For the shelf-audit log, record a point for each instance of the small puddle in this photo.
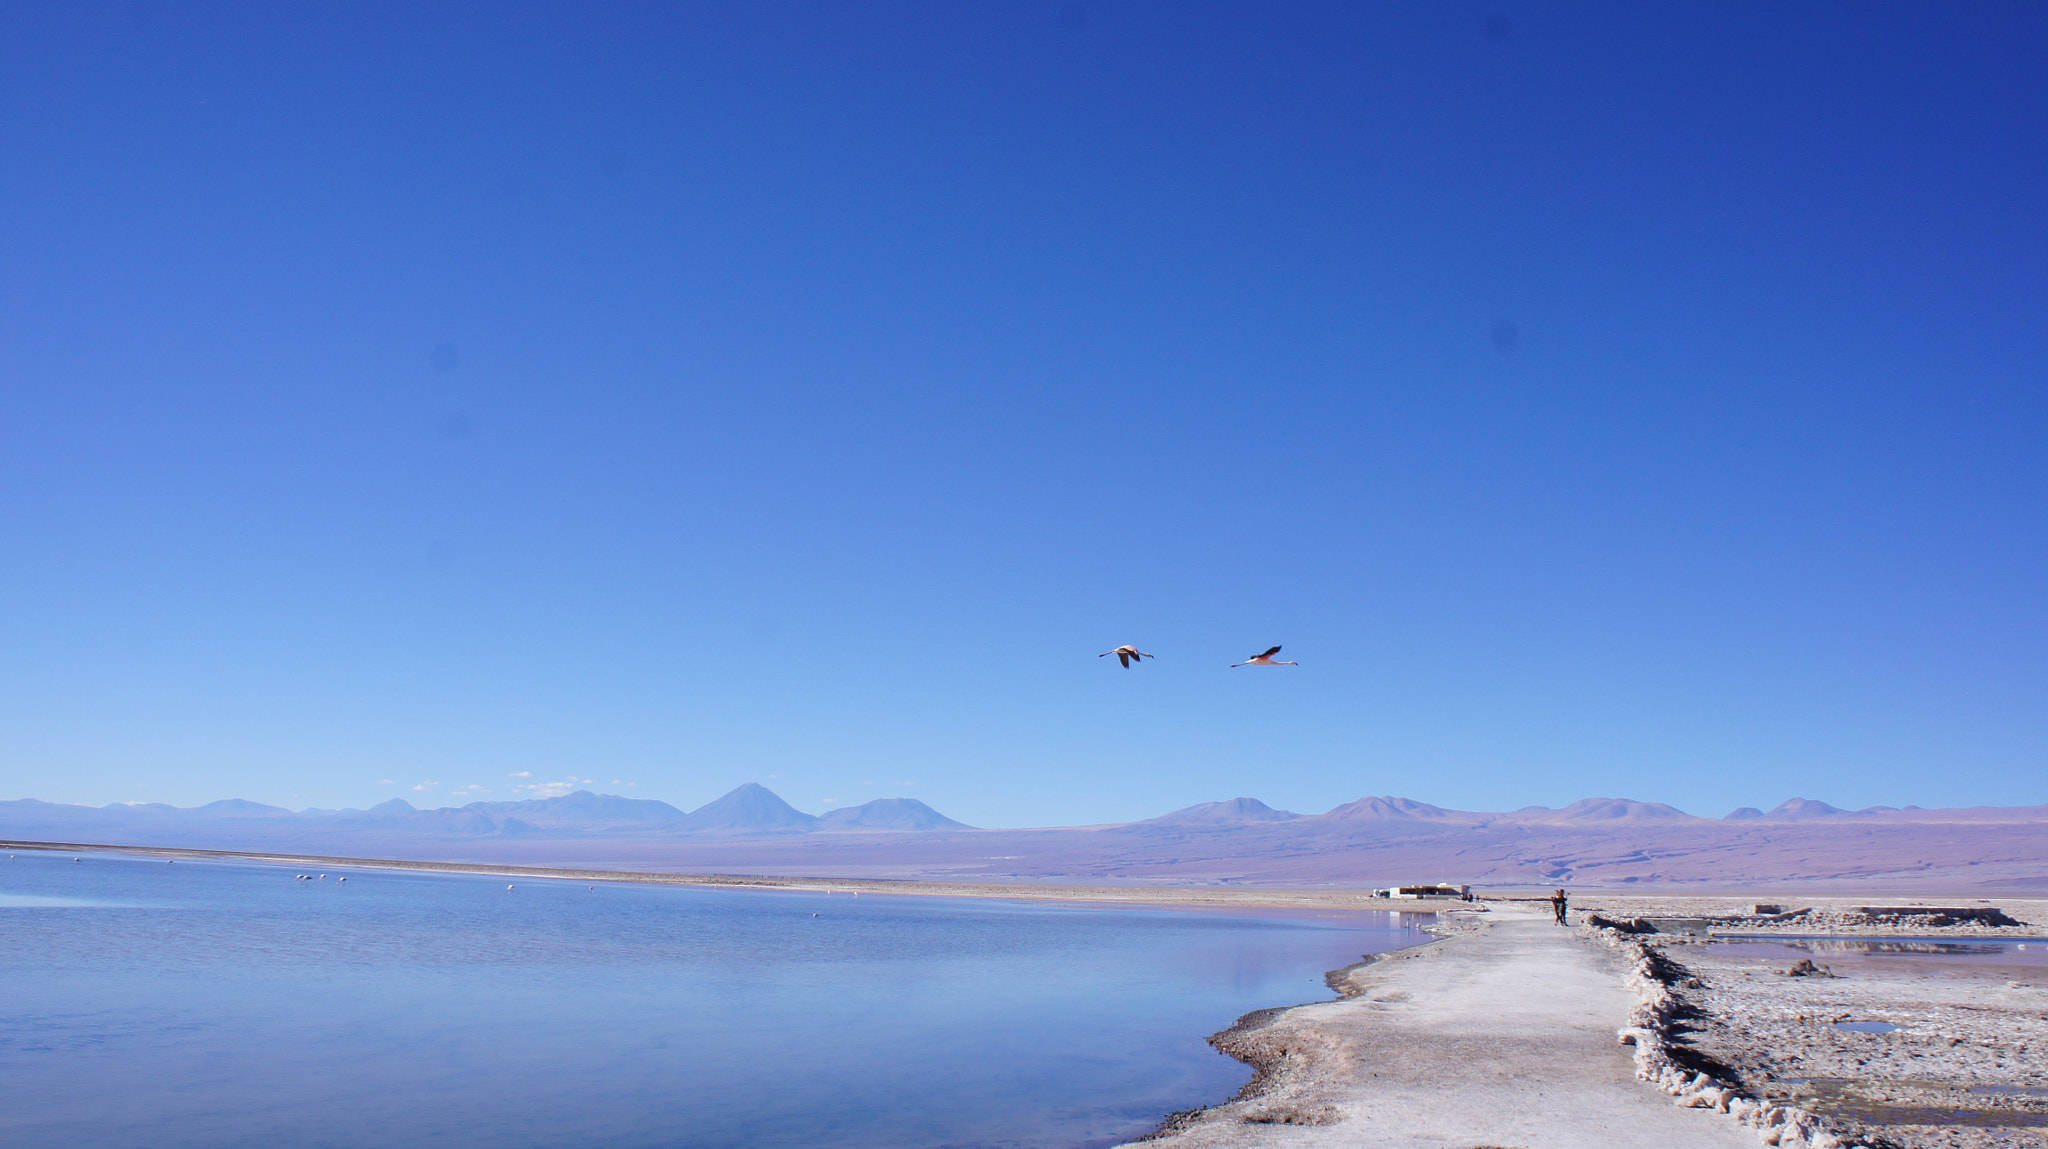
(1877, 1102)
(2023, 956)
(1867, 1026)
(1885, 946)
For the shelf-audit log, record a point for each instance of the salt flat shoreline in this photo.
(1248, 898)
(1505, 1032)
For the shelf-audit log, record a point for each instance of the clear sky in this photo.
(1645, 400)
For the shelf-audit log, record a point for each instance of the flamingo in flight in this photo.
(1127, 655)
(1265, 659)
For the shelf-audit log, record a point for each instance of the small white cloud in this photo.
(828, 801)
(906, 783)
(387, 782)
(867, 783)
(548, 789)
(616, 782)
(775, 775)
(426, 785)
(521, 774)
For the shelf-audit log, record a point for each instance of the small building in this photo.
(1439, 890)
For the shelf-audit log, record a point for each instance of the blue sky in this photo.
(1640, 400)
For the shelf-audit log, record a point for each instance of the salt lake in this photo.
(199, 1005)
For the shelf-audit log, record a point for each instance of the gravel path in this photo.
(1503, 1035)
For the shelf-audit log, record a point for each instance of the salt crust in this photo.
(1649, 1030)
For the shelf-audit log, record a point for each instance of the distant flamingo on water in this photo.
(1265, 659)
(1127, 655)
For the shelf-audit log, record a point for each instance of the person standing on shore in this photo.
(1560, 904)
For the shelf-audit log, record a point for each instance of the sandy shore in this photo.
(1501, 1035)
(1506, 1034)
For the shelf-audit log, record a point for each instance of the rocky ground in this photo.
(1966, 1066)
(2024, 917)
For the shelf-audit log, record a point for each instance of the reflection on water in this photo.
(12, 901)
(1892, 1102)
(223, 1005)
(2019, 951)
(2012, 1090)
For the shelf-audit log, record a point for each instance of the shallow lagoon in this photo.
(2000, 951)
(204, 1004)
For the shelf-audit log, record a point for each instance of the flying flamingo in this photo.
(1265, 659)
(1127, 655)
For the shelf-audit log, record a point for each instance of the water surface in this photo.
(145, 1004)
(1994, 951)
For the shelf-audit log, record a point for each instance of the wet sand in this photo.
(1501, 1035)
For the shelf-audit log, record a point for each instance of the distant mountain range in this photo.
(1239, 810)
(751, 809)
(1376, 840)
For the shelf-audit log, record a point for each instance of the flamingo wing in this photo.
(1270, 653)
